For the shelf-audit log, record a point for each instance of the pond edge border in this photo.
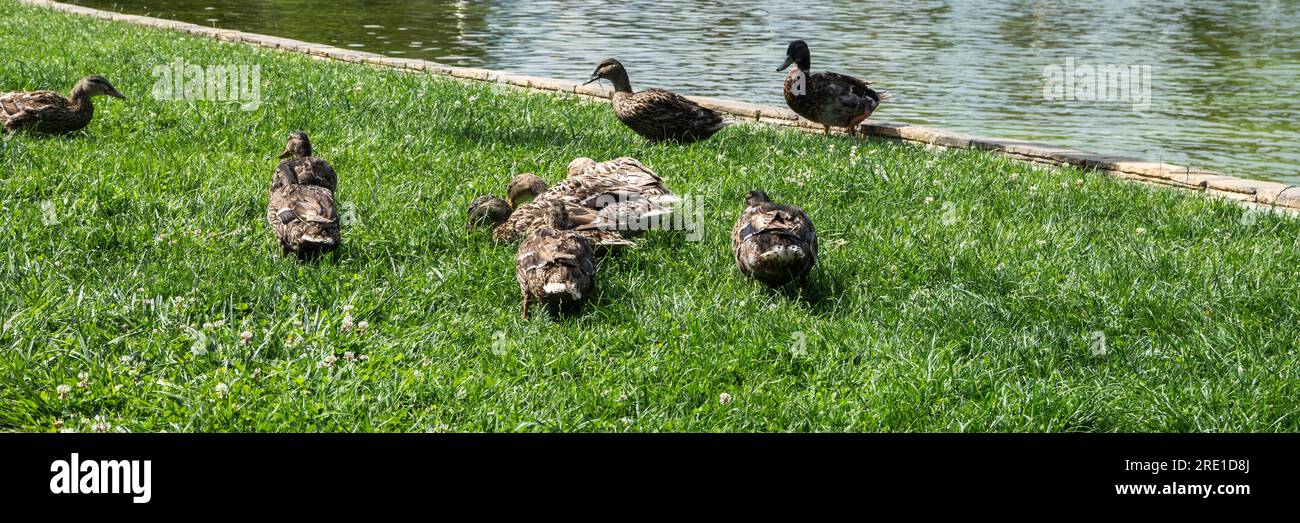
(1245, 190)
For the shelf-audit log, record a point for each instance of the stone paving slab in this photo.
(1253, 191)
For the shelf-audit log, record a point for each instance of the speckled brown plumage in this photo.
(554, 266)
(49, 112)
(657, 114)
(300, 206)
(830, 99)
(774, 243)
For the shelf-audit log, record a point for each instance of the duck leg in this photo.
(525, 313)
(826, 130)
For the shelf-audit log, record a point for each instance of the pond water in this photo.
(1212, 84)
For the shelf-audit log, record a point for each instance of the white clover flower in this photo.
(724, 398)
(347, 324)
(63, 391)
(1141, 230)
(223, 390)
(126, 359)
(101, 425)
(364, 357)
(244, 337)
(349, 355)
(84, 380)
(361, 327)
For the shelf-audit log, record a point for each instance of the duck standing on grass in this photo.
(300, 208)
(555, 266)
(657, 114)
(830, 99)
(49, 112)
(774, 243)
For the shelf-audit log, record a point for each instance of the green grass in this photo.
(980, 322)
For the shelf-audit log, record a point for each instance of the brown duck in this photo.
(300, 207)
(49, 112)
(534, 212)
(830, 99)
(774, 243)
(657, 114)
(487, 211)
(555, 266)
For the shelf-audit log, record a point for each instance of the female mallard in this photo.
(830, 99)
(488, 211)
(774, 243)
(626, 195)
(534, 211)
(555, 266)
(300, 207)
(49, 112)
(302, 167)
(657, 114)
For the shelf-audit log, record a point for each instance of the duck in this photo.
(489, 211)
(48, 112)
(555, 266)
(300, 205)
(626, 195)
(829, 99)
(535, 199)
(304, 168)
(774, 243)
(657, 114)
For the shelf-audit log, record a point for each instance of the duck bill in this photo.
(288, 151)
(593, 78)
(115, 94)
(785, 64)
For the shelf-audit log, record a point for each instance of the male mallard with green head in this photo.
(774, 243)
(300, 207)
(830, 99)
(657, 114)
(49, 112)
(555, 266)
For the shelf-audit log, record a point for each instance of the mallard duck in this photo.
(657, 114)
(49, 112)
(302, 167)
(523, 188)
(536, 198)
(830, 99)
(626, 195)
(555, 266)
(300, 205)
(488, 211)
(774, 243)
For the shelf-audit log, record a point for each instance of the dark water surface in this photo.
(1223, 77)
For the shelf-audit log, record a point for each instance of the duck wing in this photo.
(555, 266)
(774, 243)
(303, 218)
(657, 114)
(20, 108)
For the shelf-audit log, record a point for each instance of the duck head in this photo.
(95, 85)
(797, 53)
(756, 198)
(298, 146)
(612, 70)
(524, 188)
(580, 164)
(487, 211)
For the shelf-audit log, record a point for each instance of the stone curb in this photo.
(1212, 183)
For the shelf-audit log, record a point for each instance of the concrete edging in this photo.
(1239, 189)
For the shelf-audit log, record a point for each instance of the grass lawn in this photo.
(957, 291)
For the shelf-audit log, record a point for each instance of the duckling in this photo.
(774, 243)
(555, 266)
(300, 204)
(830, 99)
(657, 114)
(487, 211)
(302, 167)
(48, 112)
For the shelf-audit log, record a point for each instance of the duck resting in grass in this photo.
(48, 112)
(300, 207)
(830, 99)
(657, 114)
(555, 266)
(487, 211)
(531, 198)
(774, 243)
